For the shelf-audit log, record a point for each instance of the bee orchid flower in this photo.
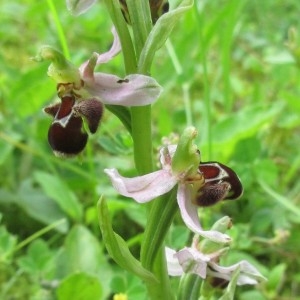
(83, 91)
(209, 183)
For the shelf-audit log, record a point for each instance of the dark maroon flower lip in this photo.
(221, 183)
(66, 135)
(69, 140)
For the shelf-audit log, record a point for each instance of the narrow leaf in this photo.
(159, 34)
(230, 290)
(117, 247)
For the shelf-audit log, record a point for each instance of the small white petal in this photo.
(189, 214)
(248, 273)
(133, 90)
(193, 261)
(142, 188)
(174, 268)
(77, 7)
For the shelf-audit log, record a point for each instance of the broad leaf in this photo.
(80, 286)
(57, 190)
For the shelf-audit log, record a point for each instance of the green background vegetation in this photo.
(226, 70)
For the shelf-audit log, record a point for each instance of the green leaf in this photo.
(276, 276)
(139, 12)
(122, 113)
(159, 34)
(7, 244)
(250, 295)
(57, 190)
(38, 206)
(244, 123)
(283, 201)
(79, 286)
(117, 247)
(82, 252)
(240, 125)
(39, 258)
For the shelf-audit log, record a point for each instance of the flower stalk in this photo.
(141, 132)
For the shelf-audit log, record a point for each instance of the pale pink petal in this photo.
(189, 214)
(113, 51)
(193, 261)
(133, 90)
(142, 188)
(166, 154)
(248, 273)
(87, 68)
(174, 268)
(77, 7)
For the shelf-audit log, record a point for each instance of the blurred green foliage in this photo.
(226, 70)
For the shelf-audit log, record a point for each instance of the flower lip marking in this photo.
(126, 80)
(221, 183)
(66, 134)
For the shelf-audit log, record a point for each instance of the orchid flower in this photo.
(209, 182)
(192, 260)
(84, 82)
(83, 92)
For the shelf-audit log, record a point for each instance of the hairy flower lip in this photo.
(69, 140)
(220, 175)
(66, 134)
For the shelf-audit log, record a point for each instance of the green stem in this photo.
(38, 234)
(153, 257)
(142, 137)
(59, 28)
(161, 216)
(189, 287)
(130, 61)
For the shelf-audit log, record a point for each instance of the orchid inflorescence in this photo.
(83, 94)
